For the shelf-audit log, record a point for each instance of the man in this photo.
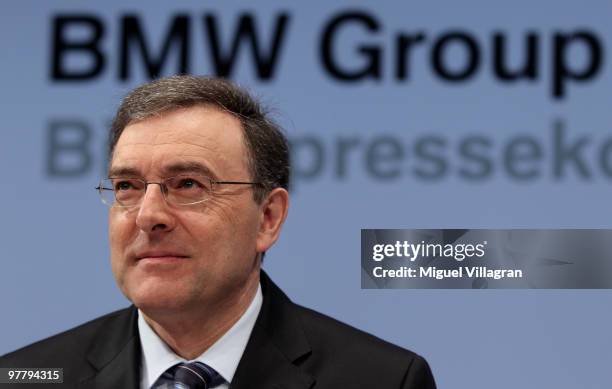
(198, 189)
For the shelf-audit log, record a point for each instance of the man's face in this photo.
(167, 256)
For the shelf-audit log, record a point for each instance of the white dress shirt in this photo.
(223, 355)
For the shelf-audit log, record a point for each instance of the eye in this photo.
(184, 183)
(188, 183)
(124, 185)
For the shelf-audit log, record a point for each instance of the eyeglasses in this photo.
(179, 190)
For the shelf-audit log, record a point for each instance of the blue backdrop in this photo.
(444, 114)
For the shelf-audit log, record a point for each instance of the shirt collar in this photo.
(223, 356)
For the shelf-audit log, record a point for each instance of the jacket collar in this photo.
(115, 355)
(276, 345)
(270, 359)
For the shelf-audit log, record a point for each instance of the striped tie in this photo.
(194, 375)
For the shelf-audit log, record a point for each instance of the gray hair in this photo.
(267, 146)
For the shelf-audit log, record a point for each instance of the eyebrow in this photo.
(169, 170)
(123, 171)
(188, 167)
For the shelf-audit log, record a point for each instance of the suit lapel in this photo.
(115, 356)
(277, 343)
(271, 359)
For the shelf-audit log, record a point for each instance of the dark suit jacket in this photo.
(291, 347)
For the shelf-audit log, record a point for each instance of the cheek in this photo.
(115, 227)
(121, 223)
(222, 233)
(119, 233)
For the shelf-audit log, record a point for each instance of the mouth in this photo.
(160, 256)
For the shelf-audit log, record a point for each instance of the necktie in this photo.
(194, 375)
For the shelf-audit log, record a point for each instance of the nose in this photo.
(154, 214)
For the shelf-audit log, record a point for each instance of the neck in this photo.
(190, 334)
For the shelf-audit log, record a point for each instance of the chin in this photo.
(158, 297)
(161, 304)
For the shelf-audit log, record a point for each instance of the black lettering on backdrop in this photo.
(404, 45)
(265, 64)
(327, 48)
(529, 69)
(132, 37)
(472, 62)
(63, 47)
(452, 56)
(562, 71)
(133, 43)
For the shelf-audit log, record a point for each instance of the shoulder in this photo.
(338, 344)
(69, 347)
(326, 332)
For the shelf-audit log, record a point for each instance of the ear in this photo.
(273, 213)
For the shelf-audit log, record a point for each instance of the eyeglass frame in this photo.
(164, 188)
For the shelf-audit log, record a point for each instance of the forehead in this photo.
(190, 136)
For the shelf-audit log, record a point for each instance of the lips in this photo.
(159, 254)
